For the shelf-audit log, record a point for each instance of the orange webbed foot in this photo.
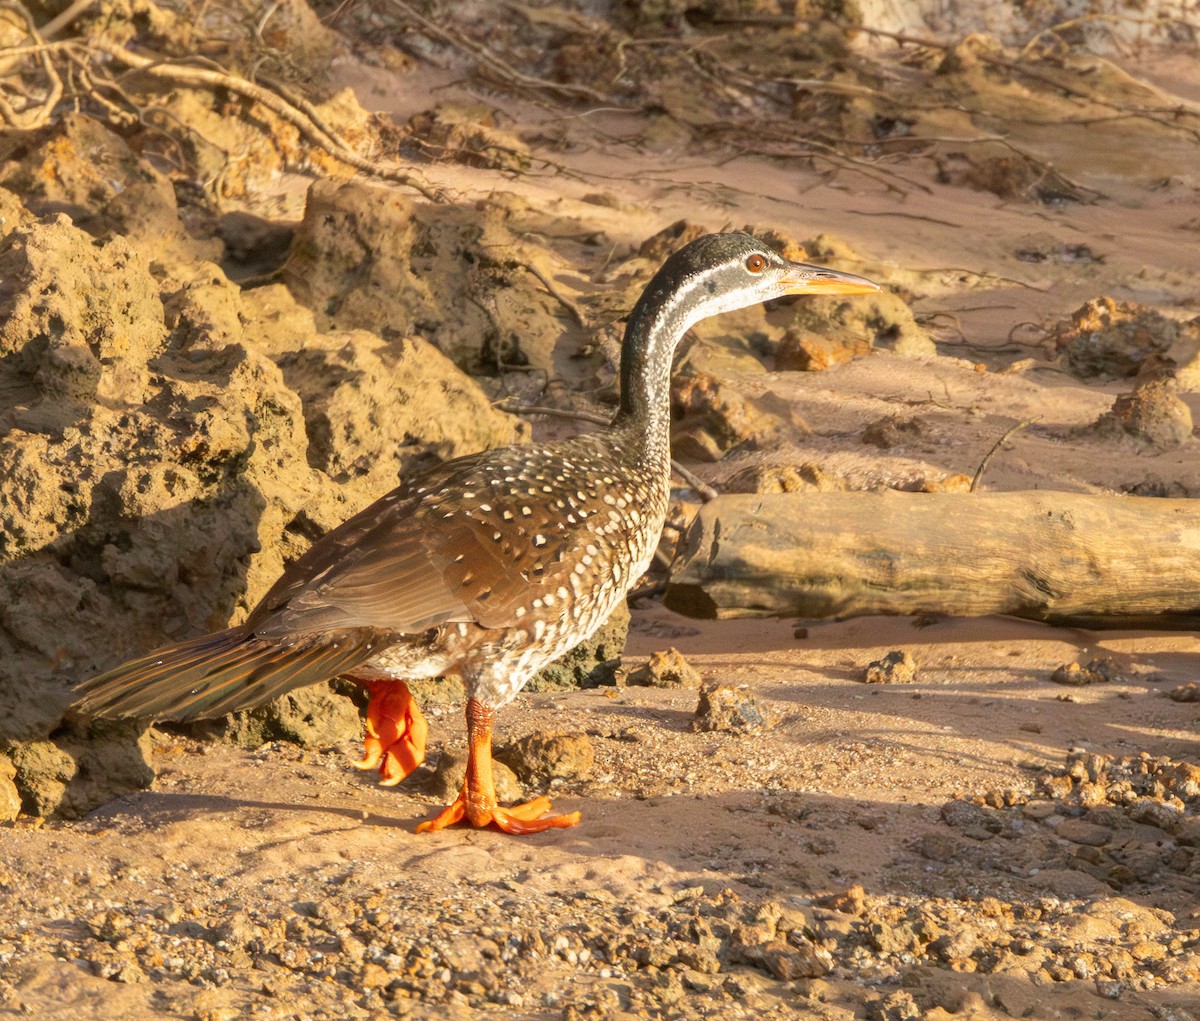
(395, 733)
(476, 802)
(517, 819)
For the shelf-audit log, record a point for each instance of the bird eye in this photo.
(756, 263)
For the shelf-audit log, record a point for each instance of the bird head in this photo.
(733, 270)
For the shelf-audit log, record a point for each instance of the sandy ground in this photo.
(183, 894)
(888, 851)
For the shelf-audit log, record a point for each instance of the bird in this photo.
(487, 567)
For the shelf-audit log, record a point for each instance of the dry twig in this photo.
(310, 126)
(987, 458)
(35, 112)
(505, 71)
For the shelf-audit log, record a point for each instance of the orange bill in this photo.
(818, 280)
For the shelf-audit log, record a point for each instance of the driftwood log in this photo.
(1061, 557)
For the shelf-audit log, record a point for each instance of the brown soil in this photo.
(964, 837)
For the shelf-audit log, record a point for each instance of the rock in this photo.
(729, 710)
(893, 937)
(1155, 812)
(657, 248)
(1008, 176)
(10, 797)
(468, 134)
(1113, 339)
(894, 432)
(786, 961)
(956, 946)
(851, 901)
(366, 257)
(728, 416)
(880, 320)
(80, 768)
(542, 756)
(362, 395)
(591, 664)
(950, 482)
(77, 167)
(692, 442)
(939, 847)
(1151, 413)
(973, 820)
(1189, 692)
(1097, 671)
(1079, 831)
(1069, 884)
(314, 717)
(896, 1006)
(666, 669)
(451, 770)
(897, 667)
(803, 351)
(160, 468)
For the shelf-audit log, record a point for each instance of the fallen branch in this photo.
(1047, 556)
(310, 127)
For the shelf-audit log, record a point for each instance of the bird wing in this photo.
(413, 561)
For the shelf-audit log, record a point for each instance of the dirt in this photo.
(205, 363)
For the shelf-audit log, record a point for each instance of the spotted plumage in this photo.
(488, 567)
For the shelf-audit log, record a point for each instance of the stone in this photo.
(542, 756)
(897, 667)
(1069, 884)
(366, 257)
(314, 717)
(938, 847)
(1080, 831)
(880, 321)
(728, 416)
(10, 797)
(467, 133)
(727, 709)
(451, 770)
(889, 432)
(801, 350)
(179, 441)
(665, 669)
(786, 961)
(1152, 413)
(1108, 338)
(82, 767)
(1189, 692)
(973, 820)
(1097, 671)
(896, 1006)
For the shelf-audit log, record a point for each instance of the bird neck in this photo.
(657, 323)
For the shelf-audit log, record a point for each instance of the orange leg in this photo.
(396, 731)
(476, 802)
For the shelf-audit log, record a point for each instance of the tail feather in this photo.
(217, 674)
